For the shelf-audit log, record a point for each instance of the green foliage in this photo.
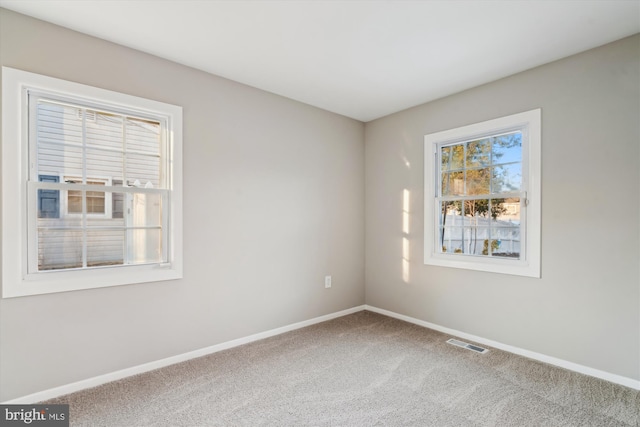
(478, 207)
(494, 246)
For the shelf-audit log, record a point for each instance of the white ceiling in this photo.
(362, 59)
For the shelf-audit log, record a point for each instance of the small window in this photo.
(482, 197)
(99, 203)
(95, 200)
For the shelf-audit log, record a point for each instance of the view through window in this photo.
(90, 149)
(480, 196)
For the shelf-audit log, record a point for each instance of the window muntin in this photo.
(141, 227)
(480, 180)
(482, 196)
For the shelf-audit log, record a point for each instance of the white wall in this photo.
(586, 307)
(273, 202)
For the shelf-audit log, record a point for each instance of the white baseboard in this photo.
(617, 379)
(146, 367)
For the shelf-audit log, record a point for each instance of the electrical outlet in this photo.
(327, 281)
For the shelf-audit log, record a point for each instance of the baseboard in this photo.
(617, 379)
(146, 367)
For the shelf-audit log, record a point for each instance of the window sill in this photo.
(486, 264)
(46, 282)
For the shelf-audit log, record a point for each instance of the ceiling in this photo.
(362, 59)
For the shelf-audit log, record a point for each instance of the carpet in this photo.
(363, 369)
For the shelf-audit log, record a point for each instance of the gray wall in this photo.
(273, 201)
(586, 307)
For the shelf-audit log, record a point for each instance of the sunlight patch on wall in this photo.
(405, 239)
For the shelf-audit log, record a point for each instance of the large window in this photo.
(482, 198)
(91, 187)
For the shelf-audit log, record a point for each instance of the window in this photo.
(95, 200)
(91, 187)
(482, 196)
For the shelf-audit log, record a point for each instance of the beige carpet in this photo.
(359, 370)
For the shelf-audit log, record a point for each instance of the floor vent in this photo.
(467, 346)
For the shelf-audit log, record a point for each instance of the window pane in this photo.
(146, 210)
(476, 213)
(142, 171)
(505, 227)
(54, 159)
(105, 247)
(95, 199)
(474, 239)
(478, 181)
(507, 242)
(478, 153)
(506, 211)
(507, 178)
(104, 164)
(58, 249)
(507, 148)
(451, 240)
(452, 157)
(476, 210)
(451, 210)
(450, 230)
(48, 203)
(143, 136)
(58, 123)
(453, 183)
(95, 202)
(445, 153)
(104, 130)
(144, 246)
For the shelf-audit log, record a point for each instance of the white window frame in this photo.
(529, 123)
(18, 242)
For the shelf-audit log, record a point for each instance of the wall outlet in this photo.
(327, 281)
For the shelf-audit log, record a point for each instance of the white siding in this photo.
(63, 248)
(113, 149)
